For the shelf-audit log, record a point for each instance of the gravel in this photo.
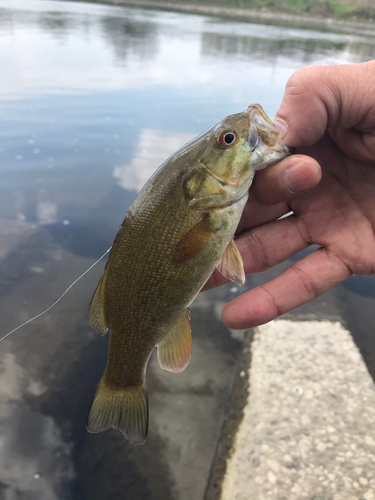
(309, 424)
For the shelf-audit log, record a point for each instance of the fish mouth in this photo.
(265, 139)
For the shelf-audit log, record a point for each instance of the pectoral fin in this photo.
(96, 314)
(174, 350)
(193, 242)
(231, 265)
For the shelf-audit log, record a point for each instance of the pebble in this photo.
(321, 446)
(305, 420)
(271, 477)
(273, 464)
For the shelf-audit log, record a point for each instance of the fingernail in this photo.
(295, 178)
(281, 126)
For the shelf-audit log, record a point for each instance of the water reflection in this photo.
(152, 149)
(46, 212)
(305, 50)
(129, 36)
(35, 460)
(57, 24)
(64, 48)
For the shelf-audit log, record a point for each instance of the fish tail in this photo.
(123, 408)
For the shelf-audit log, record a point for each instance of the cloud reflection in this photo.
(35, 462)
(46, 212)
(153, 148)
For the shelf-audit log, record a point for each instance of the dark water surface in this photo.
(92, 100)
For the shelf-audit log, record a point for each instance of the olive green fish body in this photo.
(174, 235)
(148, 286)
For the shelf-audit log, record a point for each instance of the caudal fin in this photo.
(124, 409)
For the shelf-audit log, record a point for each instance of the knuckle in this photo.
(276, 310)
(255, 251)
(306, 281)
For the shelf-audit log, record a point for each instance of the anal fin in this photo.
(96, 314)
(231, 265)
(174, 350)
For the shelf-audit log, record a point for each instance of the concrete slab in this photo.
(308, 429)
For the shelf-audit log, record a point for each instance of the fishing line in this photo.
(58, 300)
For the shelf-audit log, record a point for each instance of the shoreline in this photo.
(250, 15)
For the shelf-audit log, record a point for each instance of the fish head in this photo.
(234, 149)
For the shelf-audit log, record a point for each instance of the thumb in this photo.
(321, 97)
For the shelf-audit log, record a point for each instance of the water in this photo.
(92, 100)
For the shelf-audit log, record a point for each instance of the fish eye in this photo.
(227, 138)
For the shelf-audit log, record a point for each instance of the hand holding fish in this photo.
(328, 115)
(181, 227)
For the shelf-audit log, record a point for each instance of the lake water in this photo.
(92, 100)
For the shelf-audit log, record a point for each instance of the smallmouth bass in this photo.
(178, 230)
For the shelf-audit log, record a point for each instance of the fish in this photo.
(179, 229)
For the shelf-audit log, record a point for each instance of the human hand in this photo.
(327, 113)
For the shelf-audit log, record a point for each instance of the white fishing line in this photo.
(58, 300)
